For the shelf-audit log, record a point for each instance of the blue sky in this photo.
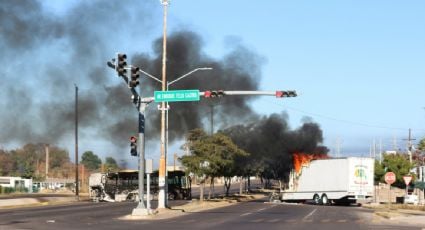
(358, 66)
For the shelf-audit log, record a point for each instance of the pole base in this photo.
(141, 212)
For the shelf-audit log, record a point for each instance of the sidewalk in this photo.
(14, 202)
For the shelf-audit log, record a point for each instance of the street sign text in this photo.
(176, 95)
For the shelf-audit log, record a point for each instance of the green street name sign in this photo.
(177, 95)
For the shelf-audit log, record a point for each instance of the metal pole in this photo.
(46, 148)
(77, 187)
(162, 160)
(148, 192)
(166, 153)
(141, 208)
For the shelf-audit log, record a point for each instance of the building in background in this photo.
(15, 184)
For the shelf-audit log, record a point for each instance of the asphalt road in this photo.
(244, 215)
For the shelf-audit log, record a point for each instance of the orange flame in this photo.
(301, 159)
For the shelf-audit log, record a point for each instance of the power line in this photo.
(341, 120)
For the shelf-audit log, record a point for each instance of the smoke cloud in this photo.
(46, 54)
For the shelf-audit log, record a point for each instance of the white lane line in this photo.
(259, 210)
(246, 214)
(310, 214)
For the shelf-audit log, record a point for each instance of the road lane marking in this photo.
(273, 220)
(325, 220)
(246, 214)
(259, 210)
(310, 214)
(342, 221)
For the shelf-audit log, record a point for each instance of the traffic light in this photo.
(133, 146)
(121, 64)
(214, 93)
(289, 93)
(134, 77)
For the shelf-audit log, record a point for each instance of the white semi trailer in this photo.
(326, 181)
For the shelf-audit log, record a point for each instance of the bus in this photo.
(123, 185)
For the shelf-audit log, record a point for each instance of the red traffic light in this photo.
(279, 94)
(207, 94)
(289, 93)
(214, 93)
(133, 139)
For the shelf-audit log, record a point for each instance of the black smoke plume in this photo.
(239, 70)
(272, 143)
(45, 54)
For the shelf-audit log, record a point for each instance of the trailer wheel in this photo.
(325, 200)
(316, 199)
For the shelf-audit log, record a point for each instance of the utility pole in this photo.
(409, 145)
(380, 150)
(46, 148)
(175, 159)
(162, 201)
(395, 146)
(77, 187)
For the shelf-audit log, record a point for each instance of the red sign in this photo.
(390, 177)
(407, 179)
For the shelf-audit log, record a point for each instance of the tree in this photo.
(211, 156)
(91, 161)
(29, 161)
(396, 163)
(196, 163)
(6, 163)
(111, 164)
(58, 157)
(421, 145)
(225, 155)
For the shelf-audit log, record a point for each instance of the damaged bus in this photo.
(123, 186)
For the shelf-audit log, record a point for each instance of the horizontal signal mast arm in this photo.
(212, 93)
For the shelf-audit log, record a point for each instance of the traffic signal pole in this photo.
(141, 209)
(131, 77)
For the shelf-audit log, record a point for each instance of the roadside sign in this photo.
(176, 95)
(390, 178)
(407, 179)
